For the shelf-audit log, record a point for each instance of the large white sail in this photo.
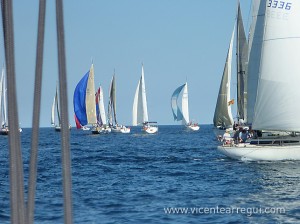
(140, 111)
(277, 104)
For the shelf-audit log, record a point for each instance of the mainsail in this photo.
(3, 109)
(55, 107)
(140, 111)
(112, 114)
(242, 63)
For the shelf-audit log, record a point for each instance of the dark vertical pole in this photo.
(36, 112)
(15, 156)
(65, 132)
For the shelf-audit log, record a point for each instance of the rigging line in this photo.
(15, 156)
(36, 112)
(65, 132)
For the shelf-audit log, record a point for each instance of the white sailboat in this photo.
(112, 114)
(140, 111)
(3, 113)
(273, 83)
(4, 130)
(55, 114)
(182, 113)
(100, 110)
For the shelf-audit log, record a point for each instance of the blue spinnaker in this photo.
(79, 100)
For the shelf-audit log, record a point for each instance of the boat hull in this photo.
(259, 152)
(150, 130)
(120, 129)
(193, 127)
(4, 131)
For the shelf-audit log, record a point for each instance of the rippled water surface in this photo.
(174, 176)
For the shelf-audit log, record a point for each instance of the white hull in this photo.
(101, 130)
(193, 127)
(84, 128)
(125, 130)
(122, 129)
(259, 152)
(150, 129)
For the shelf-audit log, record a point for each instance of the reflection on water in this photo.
(276, 185)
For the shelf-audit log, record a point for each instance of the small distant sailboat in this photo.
(3, 113)
(140, 111)
(100, 110)
(4, 130)
(84, 101)
(55, 113)
(183, 113)
(55, 120)
(112, 114)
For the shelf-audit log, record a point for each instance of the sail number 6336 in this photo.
(280, 4)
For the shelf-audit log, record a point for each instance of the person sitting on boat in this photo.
(243, 136)
(236, 135)
(227, 139)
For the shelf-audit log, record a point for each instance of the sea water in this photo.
(174, 176)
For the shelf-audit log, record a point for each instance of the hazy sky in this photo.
(176, 40)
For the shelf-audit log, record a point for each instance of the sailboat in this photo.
(4, 130)
(55, 120)
(140, 111)
(223, 118)
(112, 114)
(273, 83)
(100, 111)
(182, 114)
(84, 101)
(3, 113)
